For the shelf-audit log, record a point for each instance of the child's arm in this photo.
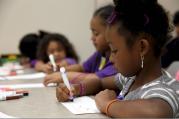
(66, 62)
(154, 107)
(41, 66)
(62, 93)
(93, 86)
(86, 87)
(75, 68)
(74, 77)
(63, 63)
(25, 62)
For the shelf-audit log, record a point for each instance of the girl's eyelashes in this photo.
(114, 51)
(95, 33)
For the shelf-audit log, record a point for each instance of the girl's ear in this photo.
(144, 47)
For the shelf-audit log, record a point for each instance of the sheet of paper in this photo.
(25, 76)
(2, 115)
(82, 105)
(2, 78)
(31, 85)
(6, 69)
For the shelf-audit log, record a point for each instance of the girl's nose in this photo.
(55, 54)
(92, 38)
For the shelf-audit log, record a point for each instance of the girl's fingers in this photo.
(61, 95)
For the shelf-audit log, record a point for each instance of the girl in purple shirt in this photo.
(98, 65)
(60, 47)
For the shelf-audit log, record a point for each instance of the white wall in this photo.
(70, 17)
(103, 2)
(171, 5)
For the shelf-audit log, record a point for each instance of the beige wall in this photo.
(70, 17)
(171, 5)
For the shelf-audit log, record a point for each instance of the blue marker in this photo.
(120, 97)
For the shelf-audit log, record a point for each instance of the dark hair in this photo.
(176, 18)
(28, 45)
(142, 17)
(104, 12)
(59, 38)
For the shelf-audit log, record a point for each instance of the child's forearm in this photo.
(75, 68)
(39, 66)
(92, 83)
(140, 108)
(109, 83)
(89, 86)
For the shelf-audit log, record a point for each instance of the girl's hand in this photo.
(103, 98)
(52, 78)
(63, 94)
(47, 68)
(62, 63)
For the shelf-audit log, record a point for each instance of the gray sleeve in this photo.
(119, 81)
(165, 93)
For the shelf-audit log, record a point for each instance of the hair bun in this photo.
(149, 2)
(134, 3)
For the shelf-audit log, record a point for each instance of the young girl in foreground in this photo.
(138, 30)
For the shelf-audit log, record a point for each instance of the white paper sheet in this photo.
(82, 105)
(2, 115)
(8, 67)
(2, 78)
(25, 76)
(31, 85)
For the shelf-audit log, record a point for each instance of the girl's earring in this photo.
(142, 59)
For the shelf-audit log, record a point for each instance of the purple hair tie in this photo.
(147, 20)
(112, 17)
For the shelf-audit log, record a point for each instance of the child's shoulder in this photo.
(97, 54)
(164, 88)
(70, 61)
(162, 84)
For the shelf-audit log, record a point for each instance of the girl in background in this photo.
(97, 66)
(28, 48)
(59, 46)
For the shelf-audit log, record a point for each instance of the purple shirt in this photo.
(71, 61)
(33, 62)
(91, 65)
